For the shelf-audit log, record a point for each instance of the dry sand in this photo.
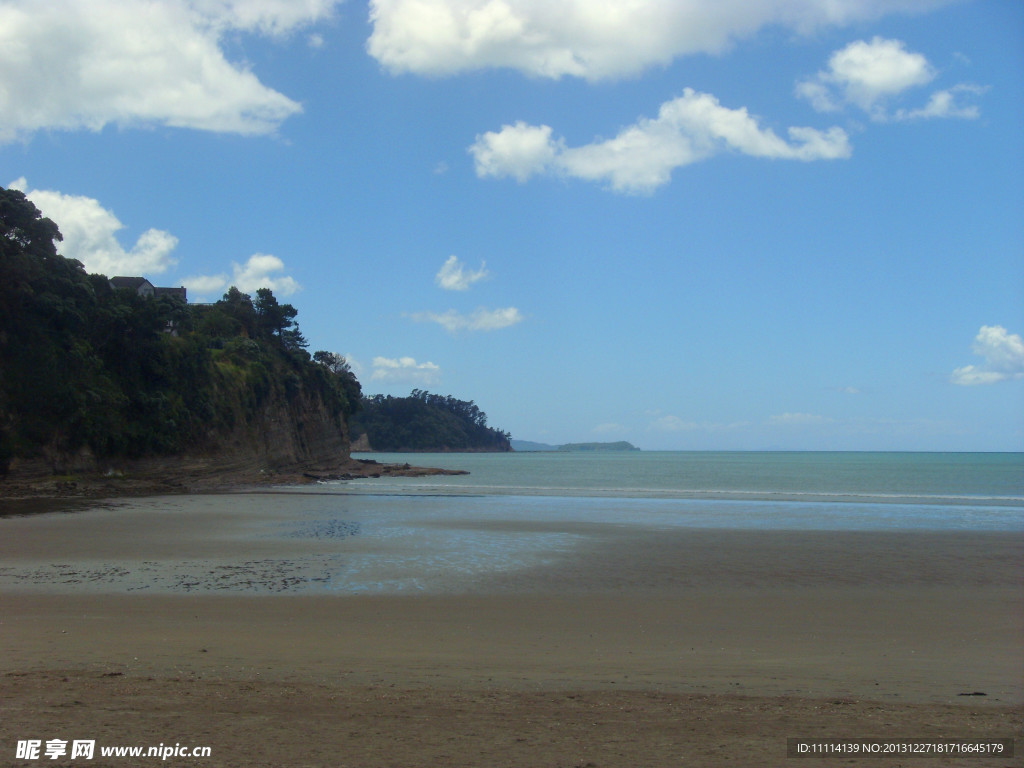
(659, 648)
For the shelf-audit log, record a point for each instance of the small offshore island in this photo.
(114, 386)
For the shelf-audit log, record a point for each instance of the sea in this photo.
(511, 513)
(720, 489)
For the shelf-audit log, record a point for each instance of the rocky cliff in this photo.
(283, 439)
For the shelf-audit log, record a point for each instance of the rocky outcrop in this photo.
(361, 444)
(289, 440)
(287, 435)
(285, 439)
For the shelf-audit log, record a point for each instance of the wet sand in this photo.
(681, 647)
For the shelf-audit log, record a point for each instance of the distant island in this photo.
(525, 446)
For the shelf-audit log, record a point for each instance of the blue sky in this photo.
(693, 224)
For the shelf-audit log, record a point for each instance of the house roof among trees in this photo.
(133, 283)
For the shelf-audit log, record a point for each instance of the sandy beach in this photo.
(642, 648)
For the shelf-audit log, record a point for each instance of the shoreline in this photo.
(46, 490)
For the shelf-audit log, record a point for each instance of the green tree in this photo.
(342, 377)
(276, 319)
(84, 365)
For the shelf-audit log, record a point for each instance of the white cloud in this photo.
(869, 75)
(798, 419)
(404, 369)
(269, 17)
(519, 151)
(1004, 358)
(85, 64)
(690, 128)
(671, 423)
(206, 285)
(257, 272)
(585, 38)
(453, 277)
(944, 104)
(90, 230)
(479, 320)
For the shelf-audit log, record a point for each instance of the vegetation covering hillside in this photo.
(86, 368)
(425, 422)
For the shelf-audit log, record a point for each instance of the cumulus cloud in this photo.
(454, 277)
(85, 64)
(205, 285)
(404, 370)
(641, 158)
(519, 151)
(1004, 358)
(479, 320)
(587, 39)
(90, 235)
(257, 272)
(869, 75)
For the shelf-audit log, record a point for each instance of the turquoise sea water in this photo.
(814, 490)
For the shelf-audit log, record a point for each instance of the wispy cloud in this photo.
(798, 419)
(404, 370)
(945, 104)
(1004, 358)
(479, 320)
(454, 277)
(672, 423)
(642, 157)
(90, 235)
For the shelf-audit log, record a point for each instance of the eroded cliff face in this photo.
(288, 436)
(285, 436)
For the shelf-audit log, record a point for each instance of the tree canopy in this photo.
(84, 365)
(426, 422)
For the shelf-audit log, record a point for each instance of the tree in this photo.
(342, 376)
(23, 230)
(333, 362)
(276, 319)
(239, 307)
(424, 421)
